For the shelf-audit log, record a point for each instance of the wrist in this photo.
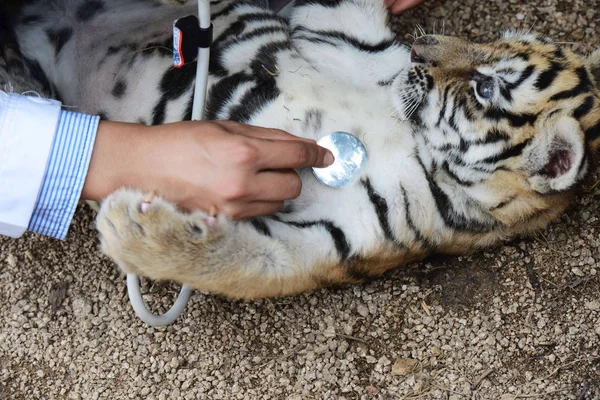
(116, 160)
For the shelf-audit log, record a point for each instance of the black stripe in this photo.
(503, 204)
(451, 174)
(493, 136)
(88, 10)
(322, 3)
(558, 53)
(233, 35)
(187, 114)
(483, 168)
(446, 209)
(59, 37)
(266, 89)
(381, 209)
(468, 109)
(36, 72)
(30, 19)
(409, 221)
(224, 12)
(593, 133)
(261, 226)
(219, 47)
(267, 30)
(507, 89)
(516, 120)
(222, 92)
(444, 105)
(229, 8)
(429, 80)
(352, 41)
(389, 81)
(255, 100)
(546, 78)
(119, 89)
(584, 108)
(316, 40)
(339, 238)
(524, 76)
(583, 86)
(313, 120)
(452, 120)
(513, 151)
(174, 83)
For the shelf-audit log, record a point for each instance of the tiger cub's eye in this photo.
(485, 88)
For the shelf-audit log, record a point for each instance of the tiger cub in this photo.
(469, 144)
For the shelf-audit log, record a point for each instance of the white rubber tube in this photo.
(133, 283)
(135, 297)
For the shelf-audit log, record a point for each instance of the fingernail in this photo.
(329, 158)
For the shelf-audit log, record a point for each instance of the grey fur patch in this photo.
(313, 120)
(89, 9)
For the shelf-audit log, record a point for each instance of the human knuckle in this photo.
(295, 186)
(235, 191)
(244, 153)
(302, 154)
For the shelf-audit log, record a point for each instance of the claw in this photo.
(146, 204)
(211, 220)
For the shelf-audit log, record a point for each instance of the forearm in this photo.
(147, 158)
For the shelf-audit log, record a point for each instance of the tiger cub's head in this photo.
(513, 122)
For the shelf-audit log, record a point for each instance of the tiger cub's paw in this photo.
(150, 237)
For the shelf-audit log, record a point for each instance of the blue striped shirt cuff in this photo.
(65, 174)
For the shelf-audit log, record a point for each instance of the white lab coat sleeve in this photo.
(27, 130)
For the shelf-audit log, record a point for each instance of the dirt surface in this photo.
(518, 321)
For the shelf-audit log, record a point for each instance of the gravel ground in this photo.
(518, 321)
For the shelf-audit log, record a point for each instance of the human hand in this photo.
(397, 6)
(241, 170)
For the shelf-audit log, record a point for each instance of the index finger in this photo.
(261, 133)
(286, 154)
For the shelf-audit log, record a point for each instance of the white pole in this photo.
(201, 64)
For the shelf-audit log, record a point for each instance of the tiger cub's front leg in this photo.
(211, 254)
(349, 40)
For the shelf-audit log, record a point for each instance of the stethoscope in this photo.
(350, 154)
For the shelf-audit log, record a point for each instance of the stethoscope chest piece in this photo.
(350, 158)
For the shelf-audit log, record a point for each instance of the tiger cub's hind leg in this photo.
(155, 240)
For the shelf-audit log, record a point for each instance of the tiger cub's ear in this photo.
(593, 63)
(556, 159)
